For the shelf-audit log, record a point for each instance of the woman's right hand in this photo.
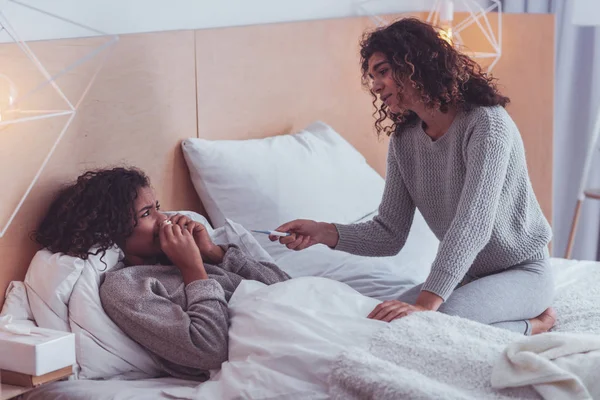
(305, 233)
(179, 245)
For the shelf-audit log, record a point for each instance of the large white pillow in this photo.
(262, 183)
(314, 174)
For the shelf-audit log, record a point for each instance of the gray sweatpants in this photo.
(506, 299)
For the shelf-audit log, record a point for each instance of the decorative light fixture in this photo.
(441, 14)
(31, 91)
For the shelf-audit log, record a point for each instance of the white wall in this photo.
(129, 16)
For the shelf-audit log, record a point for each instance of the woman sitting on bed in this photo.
(457, 156)
(171, 294)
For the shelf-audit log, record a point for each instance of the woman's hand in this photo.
(209, 251)
(178, 244)
(394, 309)
(305, 233)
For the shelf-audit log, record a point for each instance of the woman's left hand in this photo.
(394, 309)
(210, 252)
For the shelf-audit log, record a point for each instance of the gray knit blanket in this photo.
(430, 355)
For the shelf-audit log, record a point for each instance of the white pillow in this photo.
(262, 183)
(316, 174)
(57, 304)
(50, 280)
(16, 303)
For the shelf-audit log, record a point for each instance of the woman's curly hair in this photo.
(97, 210)
(418, 55)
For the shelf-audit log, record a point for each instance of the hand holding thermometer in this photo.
(273, 233)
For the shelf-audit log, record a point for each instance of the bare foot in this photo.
(543, 322)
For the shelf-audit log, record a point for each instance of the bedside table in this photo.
(10, 391)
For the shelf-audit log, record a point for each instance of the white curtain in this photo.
(576, 104)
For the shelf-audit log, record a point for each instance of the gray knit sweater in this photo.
(473, 189)
(184, 328)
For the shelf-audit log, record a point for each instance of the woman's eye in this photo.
(382, 71)
(157, 206)
(147, 213)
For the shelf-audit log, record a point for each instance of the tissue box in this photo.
(41, 352)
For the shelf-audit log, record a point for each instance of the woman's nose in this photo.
(161, 218)
(377, 87)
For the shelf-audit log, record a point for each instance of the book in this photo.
(25, 380)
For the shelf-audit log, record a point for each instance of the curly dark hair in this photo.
(443, 75)
(96, 210)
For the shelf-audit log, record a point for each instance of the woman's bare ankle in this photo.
(543, 322)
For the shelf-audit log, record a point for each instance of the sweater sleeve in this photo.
(188, 342)
(386, 233)
(241, 264)
(488, 156)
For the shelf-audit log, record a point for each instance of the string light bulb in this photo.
(8, 97)
(446, 18)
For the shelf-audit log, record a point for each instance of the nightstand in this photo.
(10, 391)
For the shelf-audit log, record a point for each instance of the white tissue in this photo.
(6, 325)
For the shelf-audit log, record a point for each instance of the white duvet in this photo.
(283, 339)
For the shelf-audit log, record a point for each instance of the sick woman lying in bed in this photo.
(171, 293)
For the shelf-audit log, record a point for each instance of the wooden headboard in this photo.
(237, 83)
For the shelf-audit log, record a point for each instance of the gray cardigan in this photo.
(184, 328)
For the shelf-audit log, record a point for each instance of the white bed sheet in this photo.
(567, 274)
(108, 390)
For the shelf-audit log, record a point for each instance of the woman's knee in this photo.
(460, 307)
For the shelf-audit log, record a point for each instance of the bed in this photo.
(226, 168)
(291, 369)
